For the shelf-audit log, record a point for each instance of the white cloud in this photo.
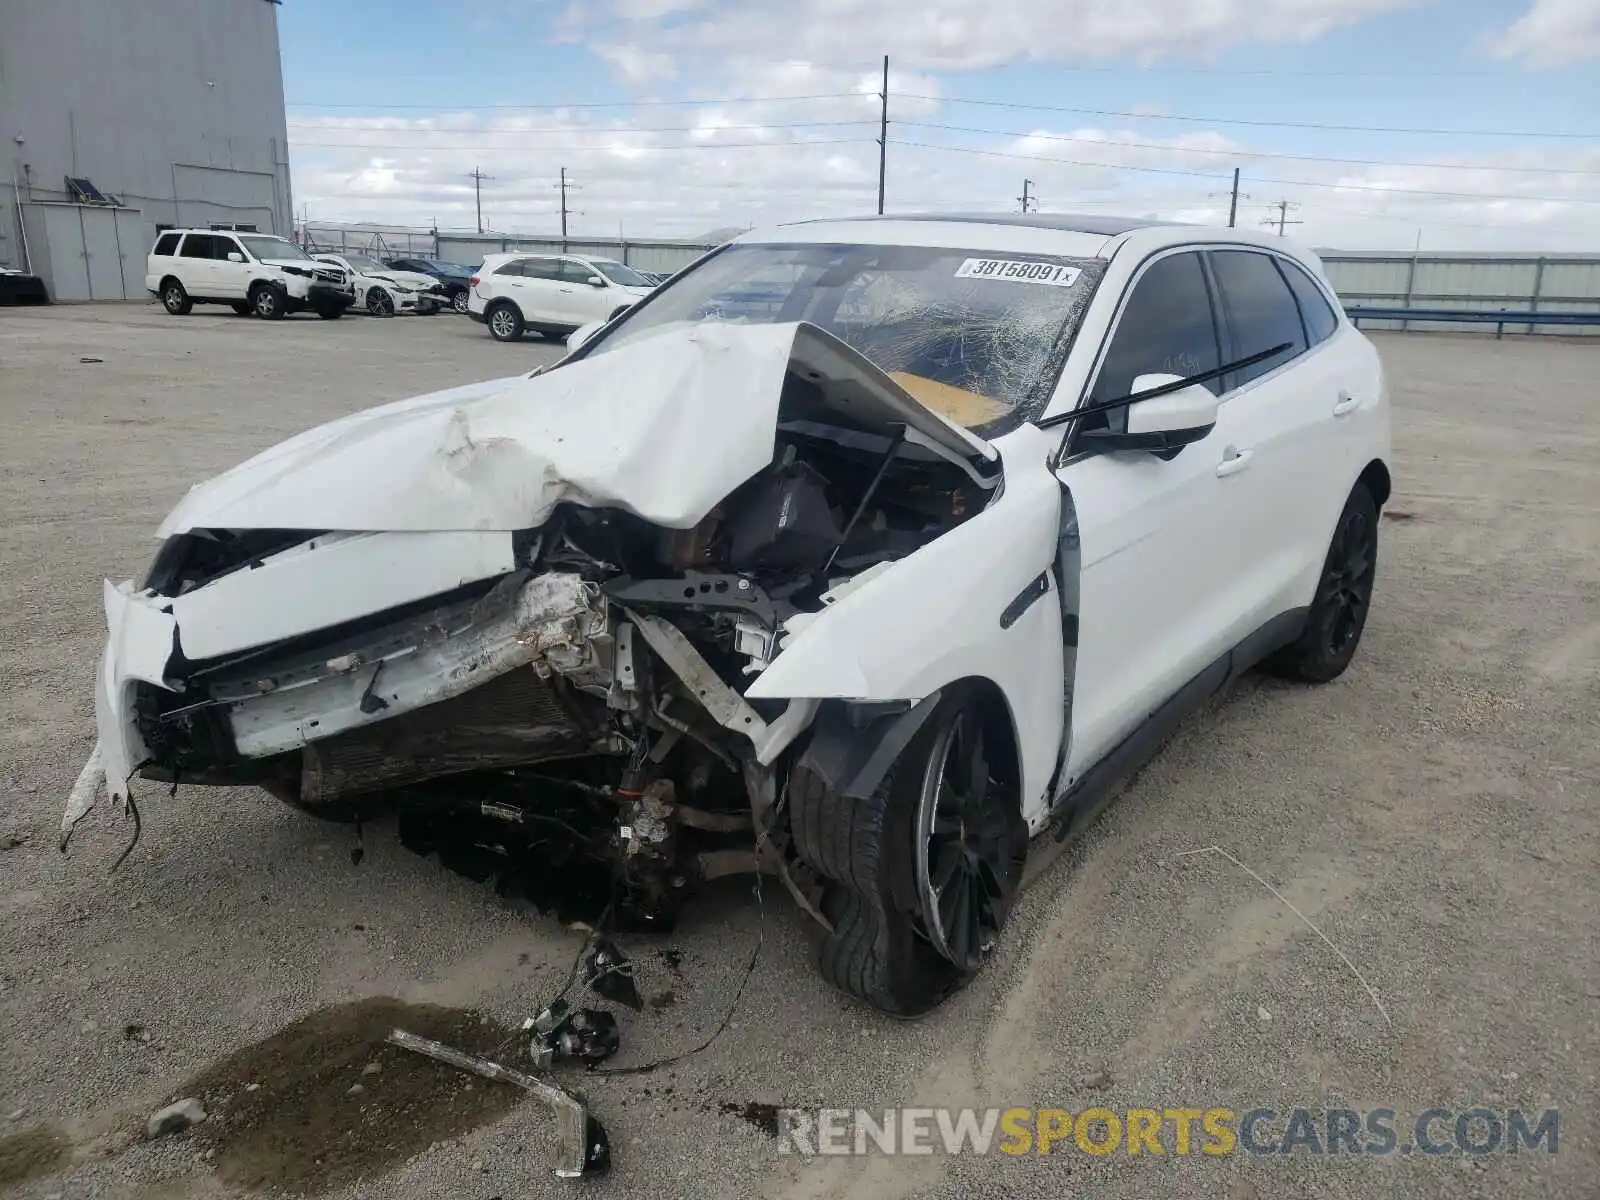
(949, 34)
(1553, 32)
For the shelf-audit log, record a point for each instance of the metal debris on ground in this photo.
(584, 1035)
(585, 1148)
(608, 973)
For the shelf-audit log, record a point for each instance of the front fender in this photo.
(935, 617)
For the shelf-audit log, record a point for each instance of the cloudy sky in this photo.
(1474, 124)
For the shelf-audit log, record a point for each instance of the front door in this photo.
(1153, 605)
(581, 300)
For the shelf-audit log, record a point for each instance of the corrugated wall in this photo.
(1481, 283)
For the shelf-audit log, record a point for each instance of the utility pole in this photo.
(1233, 205)
(1027, 198)
(566, 186)
(477, 178)
(1282, 219)
(883, 133)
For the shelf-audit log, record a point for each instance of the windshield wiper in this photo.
(1177, 385)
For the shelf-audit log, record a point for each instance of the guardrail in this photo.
(1499, 318)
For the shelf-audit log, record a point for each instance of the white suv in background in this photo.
(253, 272)
(550, 294)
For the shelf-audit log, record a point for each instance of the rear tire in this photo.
(175, 298)
(891, 945)
(504, 322)
(379, 302)
(1344, 595)
(459, 302)
(267, 302)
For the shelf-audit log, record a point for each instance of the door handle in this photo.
(1236, 461)
(1346, 404)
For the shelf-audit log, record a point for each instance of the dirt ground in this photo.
(1435, 813)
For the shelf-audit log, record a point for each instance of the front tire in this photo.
(267, 302)
(504, 322)
(1344, 595)
(330, 312)
(922, 873)
(242, 307)
(175, 298)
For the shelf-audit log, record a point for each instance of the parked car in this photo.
(550, 294)
(872, 590)
(455, 278)
(252, 272)
(383, 291)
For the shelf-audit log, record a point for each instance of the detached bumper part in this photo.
(585, 1148)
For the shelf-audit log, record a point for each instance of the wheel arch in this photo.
(1375, 478)
(171, 278)
(853, 744)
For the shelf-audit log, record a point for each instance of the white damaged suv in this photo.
(866, 554)
(254, 273)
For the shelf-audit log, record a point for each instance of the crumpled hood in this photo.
(410, 279)
(664, 427)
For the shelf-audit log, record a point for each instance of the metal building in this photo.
(121, 117)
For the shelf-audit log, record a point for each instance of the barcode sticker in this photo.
(1018, 271)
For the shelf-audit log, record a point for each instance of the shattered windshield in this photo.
(977, 336)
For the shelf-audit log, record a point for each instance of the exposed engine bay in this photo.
(584, 704)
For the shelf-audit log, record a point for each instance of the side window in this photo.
(1166, 328)
(1314, 307)
(540, 268)
(227, 246)
(198, 245)
(1261, 311)
(576, 272)
(166, 244)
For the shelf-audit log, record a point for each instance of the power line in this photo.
(595, 103)
(581, 128)
(1355, 187)
(1148, 116)
(299, 145)
(1232, 152)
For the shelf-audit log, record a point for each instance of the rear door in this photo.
(536, 288)
(197, 266)
(1279, 410)
(1153, 608)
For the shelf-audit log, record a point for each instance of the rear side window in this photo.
(166, 244)
(539, 268)
(1261, 310)
(1314, 307)
(1167, 328)
(199, 245)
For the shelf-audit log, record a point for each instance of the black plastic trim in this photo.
(1025, 600)
(1084, 800)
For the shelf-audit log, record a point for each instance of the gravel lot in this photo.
(1434, 812)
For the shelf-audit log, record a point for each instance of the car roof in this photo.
(1105, 226)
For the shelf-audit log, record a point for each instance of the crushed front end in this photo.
(551, 699)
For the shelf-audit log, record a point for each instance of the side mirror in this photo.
(582, 334)
(595, 281)
(235, 256)
(1167, 422)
